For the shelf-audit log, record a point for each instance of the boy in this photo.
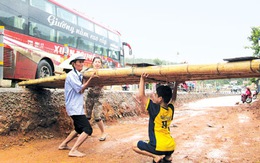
(160, 145)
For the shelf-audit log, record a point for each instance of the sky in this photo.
(198, 32)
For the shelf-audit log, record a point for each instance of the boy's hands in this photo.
(144, 75)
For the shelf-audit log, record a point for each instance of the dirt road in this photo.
(213, 130)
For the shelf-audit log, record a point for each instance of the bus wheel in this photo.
(44, 69)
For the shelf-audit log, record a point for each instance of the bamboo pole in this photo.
(167, 73)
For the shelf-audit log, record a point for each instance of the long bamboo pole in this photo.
(167, 73)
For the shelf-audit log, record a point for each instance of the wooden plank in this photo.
(162, 74)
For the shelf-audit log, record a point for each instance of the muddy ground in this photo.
(202, 133)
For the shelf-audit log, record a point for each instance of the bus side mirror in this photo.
(130, 51)
(129, 47)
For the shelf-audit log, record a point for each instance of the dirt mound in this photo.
(252, 107)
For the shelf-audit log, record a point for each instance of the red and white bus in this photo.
(39, 35)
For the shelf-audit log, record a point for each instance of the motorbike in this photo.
(249, 99)
(255, 95)
(245, 98)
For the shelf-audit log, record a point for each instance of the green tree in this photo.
(157, 61)
(254, 38)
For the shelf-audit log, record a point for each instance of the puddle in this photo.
(216, 153)
(214, 102)
(190, 112)
(243, 118)
(200, 107)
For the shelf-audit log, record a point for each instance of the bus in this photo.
(40, 35)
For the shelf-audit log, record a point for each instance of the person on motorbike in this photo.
(248, 92)
(244, 96)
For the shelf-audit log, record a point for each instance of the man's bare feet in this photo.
(76, 153)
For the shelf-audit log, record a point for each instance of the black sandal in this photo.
(166, 161)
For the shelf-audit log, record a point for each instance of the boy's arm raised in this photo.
(142, 95)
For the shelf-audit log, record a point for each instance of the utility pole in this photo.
(1, 53)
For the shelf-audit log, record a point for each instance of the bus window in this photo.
(64, 38)
(85, 45)
(85, 24)
(19, 22)
(12, 21)
(43, 5)
(36, 32)
(113, 36)
(41, 31)
(66, 15)
(101, 31)
(113, 54)
(100, 50)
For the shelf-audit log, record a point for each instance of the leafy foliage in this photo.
(254, 38)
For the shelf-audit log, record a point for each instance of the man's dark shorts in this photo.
(143, 145)
(82, 124)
